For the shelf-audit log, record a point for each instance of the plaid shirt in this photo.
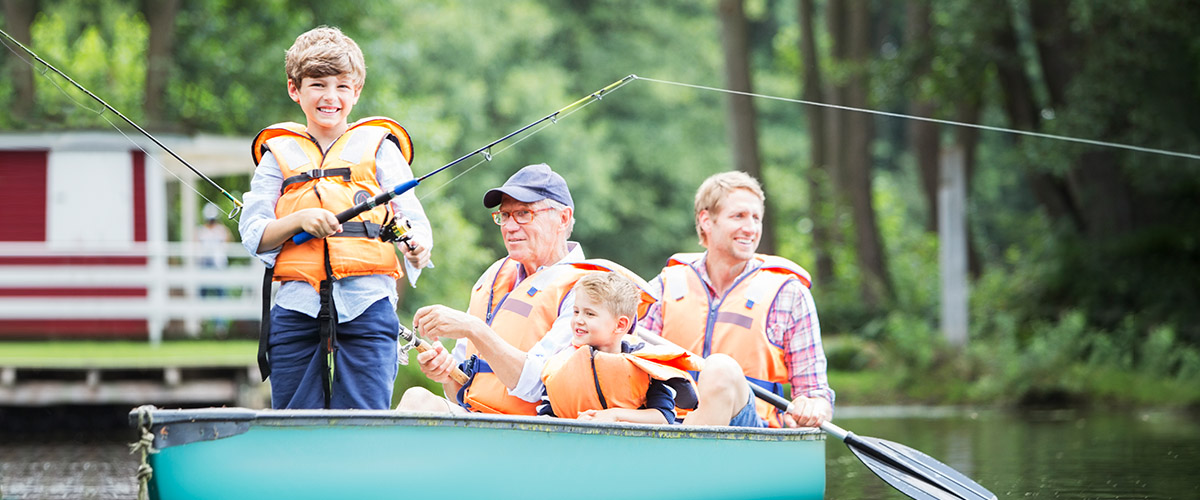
(791, 322)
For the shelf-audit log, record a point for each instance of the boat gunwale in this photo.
(157, 418)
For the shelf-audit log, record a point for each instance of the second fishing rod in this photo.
(387, 195)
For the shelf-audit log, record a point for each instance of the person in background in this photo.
(212, 236)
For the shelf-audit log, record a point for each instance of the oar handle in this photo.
(353, 212)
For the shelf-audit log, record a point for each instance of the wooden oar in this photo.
(913, 473)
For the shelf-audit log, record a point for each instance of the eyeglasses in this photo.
(521, 216)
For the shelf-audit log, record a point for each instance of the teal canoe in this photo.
(234, 453)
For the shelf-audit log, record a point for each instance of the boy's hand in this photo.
(318, 222)
(598, 415)
(416, 255)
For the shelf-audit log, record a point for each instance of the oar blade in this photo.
(932, 480)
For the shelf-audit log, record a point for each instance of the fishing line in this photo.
(100, 113)
(507, 147)
(485, 150)
(1042, 135)
(49, 67)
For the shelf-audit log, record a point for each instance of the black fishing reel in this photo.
(397, 230)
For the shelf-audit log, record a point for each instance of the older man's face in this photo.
(537, 242)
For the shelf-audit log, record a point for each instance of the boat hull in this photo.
(235, 454)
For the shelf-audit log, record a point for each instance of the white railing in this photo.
(171, 276)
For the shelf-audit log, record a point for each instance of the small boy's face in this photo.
(326, 101)
(593, 324)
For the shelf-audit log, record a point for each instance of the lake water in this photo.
(1059, 454)
(1052, 454)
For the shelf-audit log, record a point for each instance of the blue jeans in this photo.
(364, 360)
(748, 417)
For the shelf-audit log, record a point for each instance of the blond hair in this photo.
(615, 292)
(324, 51)
(714, 190)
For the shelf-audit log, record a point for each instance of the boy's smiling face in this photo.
(326, 102)
(593, 324)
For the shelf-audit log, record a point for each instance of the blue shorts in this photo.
(748, 417)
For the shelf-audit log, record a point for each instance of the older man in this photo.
(750, 315)
(520, 307)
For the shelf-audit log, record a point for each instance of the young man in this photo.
(608, 376)
(338, 296)
(749, 315)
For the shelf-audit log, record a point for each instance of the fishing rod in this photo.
(386, 196)
(237, 203)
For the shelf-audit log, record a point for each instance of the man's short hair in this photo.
(324, 51)
(615, 292)
(718, 186)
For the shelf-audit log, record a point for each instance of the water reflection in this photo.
(1062, 454)
(67, 466)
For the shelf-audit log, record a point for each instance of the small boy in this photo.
(337, 301)
(607, 376)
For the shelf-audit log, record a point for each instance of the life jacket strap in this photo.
(315, 173)
(359, 230)
(327, 329)
(264, 329)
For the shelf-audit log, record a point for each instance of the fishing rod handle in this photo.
(413, 341)
(458, 375)
(352, 212)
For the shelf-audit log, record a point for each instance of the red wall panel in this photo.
(23, 196)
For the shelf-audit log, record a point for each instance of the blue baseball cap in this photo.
(531, 183)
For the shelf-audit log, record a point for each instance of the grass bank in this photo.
(127, 354)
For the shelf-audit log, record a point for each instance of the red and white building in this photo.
(84, 251)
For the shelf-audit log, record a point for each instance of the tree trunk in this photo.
(1023, 113)
(743, 130)
(835, 137)
(818, 169)
(923, 138)
(969, 110)
(859, 130)
(160, 15)
(1097, 185)
(18, 18)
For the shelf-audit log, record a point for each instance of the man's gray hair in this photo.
(559, 206)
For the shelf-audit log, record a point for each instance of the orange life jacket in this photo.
(335, 180)
(736, 324)
(521, 314)
(582, 378)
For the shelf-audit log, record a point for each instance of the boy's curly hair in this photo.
(324, 51)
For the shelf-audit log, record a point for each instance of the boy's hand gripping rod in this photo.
(386, 196)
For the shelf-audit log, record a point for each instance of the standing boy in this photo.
(608, 376)
(331, 335)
